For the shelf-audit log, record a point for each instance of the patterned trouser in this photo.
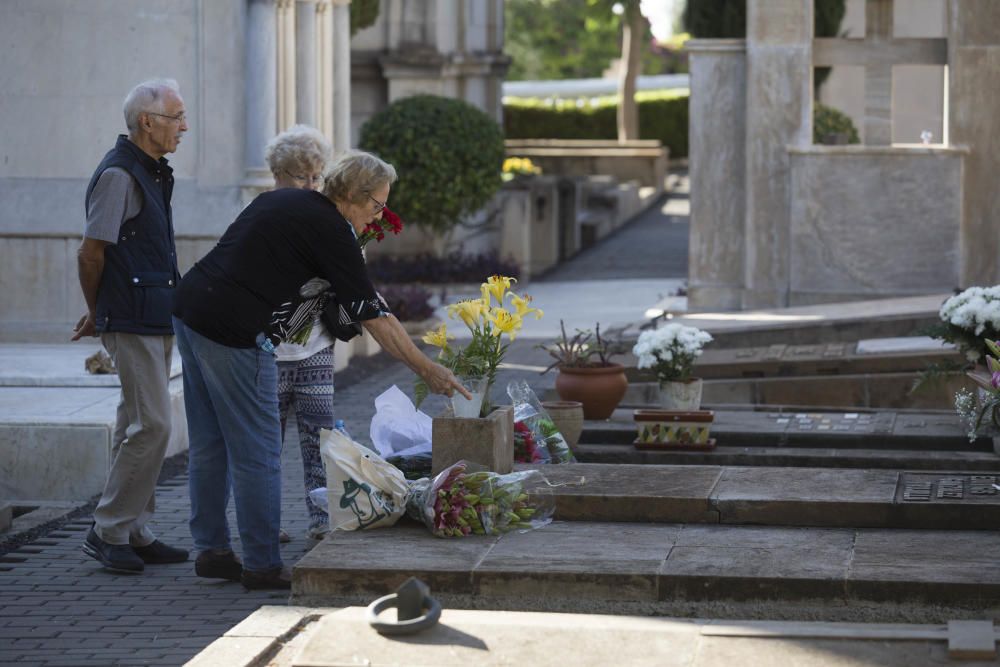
(308, 383)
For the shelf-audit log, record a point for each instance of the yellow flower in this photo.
(505, 322)
(521, 306)
(497, 286)
(470, 311)
(439, 337)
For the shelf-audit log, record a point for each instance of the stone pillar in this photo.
(341, 75)
(306, 62)
(974, 97)
(717, 141)
(878, 75)
(324, 67)
(261, 82)
(286, 63)
(778, 110)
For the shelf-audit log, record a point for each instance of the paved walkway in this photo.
(60, 608)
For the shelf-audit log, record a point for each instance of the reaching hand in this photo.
(440, 380)
(85, 327)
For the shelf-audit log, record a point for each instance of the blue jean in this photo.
(234, 440)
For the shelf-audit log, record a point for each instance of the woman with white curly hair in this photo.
(297, 158)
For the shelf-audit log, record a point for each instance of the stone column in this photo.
(974, 97)
(717, 145)
(878, 75)
(324, 67)
(778, 110)
(341, 75)
(261, 82)
(286, 64)
(306, 62)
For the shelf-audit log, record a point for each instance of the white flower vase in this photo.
(682, 396)
(463, 407)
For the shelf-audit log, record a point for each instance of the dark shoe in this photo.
(158, 553)
(283, 537)
(218, 566)
(115, 557)
(280, 578)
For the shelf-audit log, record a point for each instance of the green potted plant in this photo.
(586, 373)
(670, 352)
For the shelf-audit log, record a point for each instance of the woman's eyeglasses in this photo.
(381, 206)
(308, 179)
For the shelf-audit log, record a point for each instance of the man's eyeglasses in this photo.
(381, 206)
(180, 118)
(308, 179)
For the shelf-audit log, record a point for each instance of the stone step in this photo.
(320, 637)
(880, 355)
(663, 569)
(742, 495)
(57, 422)
(876, 391)
(831, 429)
(820, 324)
(808, 457)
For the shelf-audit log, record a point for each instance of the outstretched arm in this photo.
(389, 333)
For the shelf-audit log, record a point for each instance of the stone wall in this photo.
(869, 222)
(826, 224)
(62, 111)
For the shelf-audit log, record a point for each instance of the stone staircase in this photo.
(708, 540)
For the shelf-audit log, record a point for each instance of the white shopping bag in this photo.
(363, 491)
(398, 427)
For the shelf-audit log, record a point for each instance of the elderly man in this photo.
(128, 272)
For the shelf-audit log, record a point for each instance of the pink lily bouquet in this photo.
(460, 502)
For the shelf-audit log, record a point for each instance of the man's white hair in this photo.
(146, 97)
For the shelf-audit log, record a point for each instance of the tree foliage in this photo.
(558, 39)
(363, 14)
(718, 19)
(447, 153)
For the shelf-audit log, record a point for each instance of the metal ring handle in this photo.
(428, 620)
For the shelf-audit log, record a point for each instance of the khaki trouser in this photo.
(142, 431)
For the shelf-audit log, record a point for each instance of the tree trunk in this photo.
(628, 112)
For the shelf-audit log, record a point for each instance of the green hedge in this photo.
(663, 115)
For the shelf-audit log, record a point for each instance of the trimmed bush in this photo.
(663, 115)
(448, 155)
(827, 121)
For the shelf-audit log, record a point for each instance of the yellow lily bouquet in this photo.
(489, 318)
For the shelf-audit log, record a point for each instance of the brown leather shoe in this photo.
(279, 578)
(218, 566)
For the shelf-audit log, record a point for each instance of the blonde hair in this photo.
(299, 150)
(356, 174)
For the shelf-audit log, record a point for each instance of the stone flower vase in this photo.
(568, 418)
(683, 396)
(599, 388)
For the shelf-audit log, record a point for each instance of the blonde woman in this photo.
(233, 308)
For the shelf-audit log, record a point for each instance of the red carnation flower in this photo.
(392, 220)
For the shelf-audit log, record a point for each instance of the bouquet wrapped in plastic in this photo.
(460, 501)
(536, 438)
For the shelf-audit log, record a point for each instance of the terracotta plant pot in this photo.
(568, 418)
(600, 388)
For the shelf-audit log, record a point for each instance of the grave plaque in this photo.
(837, 422)
(948, 488)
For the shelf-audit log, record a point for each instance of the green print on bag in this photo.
(369, 506)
